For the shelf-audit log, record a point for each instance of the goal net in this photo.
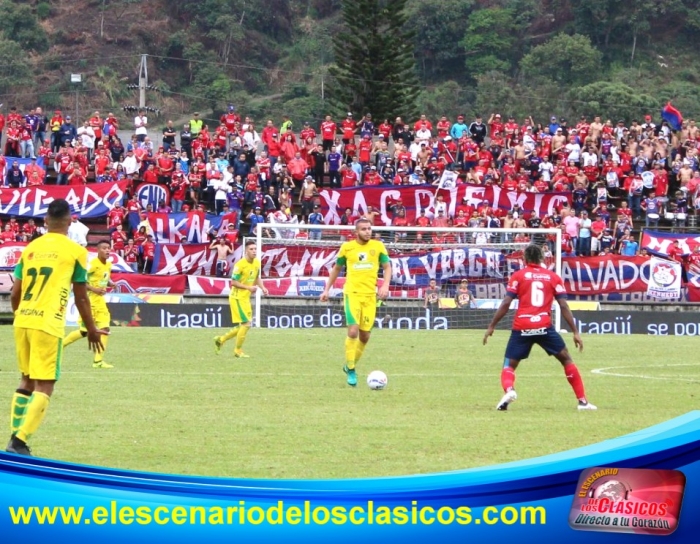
(470, 268)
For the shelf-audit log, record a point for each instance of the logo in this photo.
(628, 500)
(151, 193)
(664, 275)
(310, 287)
(361, 257)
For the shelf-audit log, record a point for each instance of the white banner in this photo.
(664, 279)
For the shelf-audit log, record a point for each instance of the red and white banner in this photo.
(664, 279)
(417, 197)
(10, 254)
(6, 281)
(170, 228)
(91, 200)
(149, 283)
(196, 259)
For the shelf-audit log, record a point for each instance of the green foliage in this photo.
(446, 98)
(374, 69)
(438, 27)
(685, 97)
(489, 41)
(613, 101)
(18, 23)
(43, 10)
(15, 71)
(568, 60)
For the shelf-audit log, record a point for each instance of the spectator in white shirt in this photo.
(546, 168)
(251, 138)
(86, 135)
(130, 164)
(141, 126)
(78, 232)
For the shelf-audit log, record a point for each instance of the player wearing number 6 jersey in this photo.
(43, 278)
(536, 288)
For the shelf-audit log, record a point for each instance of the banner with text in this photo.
(149, 283)
(659, 243)
(417, 197)
(11, 252)
(169, 228)
(664, 279)
(195, 259)
(87, 201)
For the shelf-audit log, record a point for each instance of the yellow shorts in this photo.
(39, 354)
(241, 311)
(361, 310)
(101, 316)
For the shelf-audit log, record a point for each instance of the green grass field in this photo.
(171, 405)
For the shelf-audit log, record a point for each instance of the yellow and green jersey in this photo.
(246, 273)
(98, 275)
(362, 265)
(47, 268)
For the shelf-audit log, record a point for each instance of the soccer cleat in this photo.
(101, 364)
(217, 344)
(352, 375)
(506, 399)
(585, 405)
(15, 445)
(239, 353)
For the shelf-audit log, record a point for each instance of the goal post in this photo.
(297, 258)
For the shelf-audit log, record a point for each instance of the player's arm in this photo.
(82, 303)
(569, 318)
(16, 294)
(332, 277)
(500, 314)
(261, 285)
(238, 285)
(386, 273)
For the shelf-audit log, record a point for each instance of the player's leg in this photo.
(245, 311)
(352, 319)
(368, 313)
(102, 320)
(219, 341)
(518, 348)
(45, 355)
(74, 337)
(21, 396)
(554, 344)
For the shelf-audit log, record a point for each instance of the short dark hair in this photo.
(58, 209)
(104, 241)
(250, 243)
(533, 254)
(362, 220)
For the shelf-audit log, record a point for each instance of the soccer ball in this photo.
(376, 380)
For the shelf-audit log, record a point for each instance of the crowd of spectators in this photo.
(619, 175)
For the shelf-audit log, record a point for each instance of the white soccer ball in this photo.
(377, 380)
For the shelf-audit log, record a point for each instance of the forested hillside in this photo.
(615, 58)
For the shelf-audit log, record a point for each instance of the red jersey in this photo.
(230, 120)
(536, 288)
(365, 149)
(385, 130)
(131, 254)
(119, 241)
(348, 127)
(307, 133)
(443, 128)
(349, 178)
(115, 217)
(328, 129)
(149, 250)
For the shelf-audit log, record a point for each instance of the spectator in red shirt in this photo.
(148, 253)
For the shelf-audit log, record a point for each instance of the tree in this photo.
(613, 101)
(18, 23)
(489, 40)
(568, 60)
(374, 69)
(495, 93)
(14, 68)
(439, 27)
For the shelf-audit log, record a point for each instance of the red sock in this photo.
(574, 379)
(507, 378)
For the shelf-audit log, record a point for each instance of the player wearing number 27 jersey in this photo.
(536, 289)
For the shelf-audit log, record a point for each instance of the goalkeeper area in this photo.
(171, 405)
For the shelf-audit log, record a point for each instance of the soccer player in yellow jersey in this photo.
(99, 279)
(245, 281)
(43, 278)
(361, 259)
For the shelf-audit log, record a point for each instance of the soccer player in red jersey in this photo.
(536, 288)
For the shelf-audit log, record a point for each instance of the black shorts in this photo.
(521, 342)
(328, 145)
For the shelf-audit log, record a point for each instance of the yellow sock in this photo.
(350, 351)
(19, 406)
(73, 337)
(240, 337)
(359, 350)
(98, 356)
(33, 416)
(230, 334)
